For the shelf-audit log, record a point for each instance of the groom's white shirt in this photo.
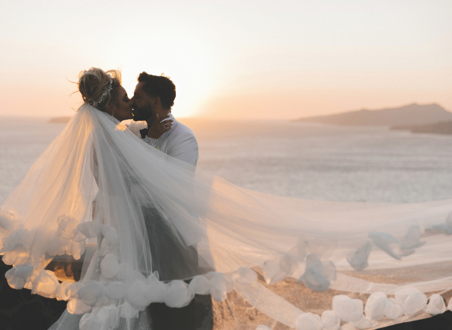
(179, 142)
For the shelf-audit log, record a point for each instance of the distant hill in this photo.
(408, 115)
(444, 127)
(59, 120)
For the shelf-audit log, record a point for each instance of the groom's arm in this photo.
(185, 149)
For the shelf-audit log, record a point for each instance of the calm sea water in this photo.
(283, 158)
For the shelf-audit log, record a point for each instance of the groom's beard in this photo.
(142, 113)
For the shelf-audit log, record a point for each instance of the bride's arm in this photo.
(136, 126)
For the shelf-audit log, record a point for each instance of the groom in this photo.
(154, 124)
(152, 101)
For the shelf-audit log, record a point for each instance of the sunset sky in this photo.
(231, 59)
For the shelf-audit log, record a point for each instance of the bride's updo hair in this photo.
(94, 85)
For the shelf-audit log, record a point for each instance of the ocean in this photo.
(362, 164)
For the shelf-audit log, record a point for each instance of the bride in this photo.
(114, 203)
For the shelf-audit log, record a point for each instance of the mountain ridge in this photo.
(442, 127)
(407, 115)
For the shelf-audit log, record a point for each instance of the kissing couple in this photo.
(148, 240)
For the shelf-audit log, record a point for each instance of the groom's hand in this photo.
(159, 126)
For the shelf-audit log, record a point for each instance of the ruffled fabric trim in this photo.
(124, 292)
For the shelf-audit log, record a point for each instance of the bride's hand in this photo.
(159, 126)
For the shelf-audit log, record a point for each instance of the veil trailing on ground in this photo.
(111, 225)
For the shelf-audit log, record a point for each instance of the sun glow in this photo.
(190, 74)
(231, 59)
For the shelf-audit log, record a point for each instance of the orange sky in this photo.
(234, 59)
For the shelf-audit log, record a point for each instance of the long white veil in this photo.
(111, 225)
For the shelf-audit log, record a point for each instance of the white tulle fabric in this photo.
(107, 199)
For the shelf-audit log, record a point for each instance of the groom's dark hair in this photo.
(160, 86)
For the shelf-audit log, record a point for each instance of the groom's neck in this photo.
(162, 112)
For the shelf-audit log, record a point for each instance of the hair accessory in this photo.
(104, 94)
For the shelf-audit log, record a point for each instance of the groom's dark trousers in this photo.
(174, 260)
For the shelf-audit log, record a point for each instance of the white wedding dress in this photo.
(284, 260)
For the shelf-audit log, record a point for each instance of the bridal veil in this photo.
(77, 229)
